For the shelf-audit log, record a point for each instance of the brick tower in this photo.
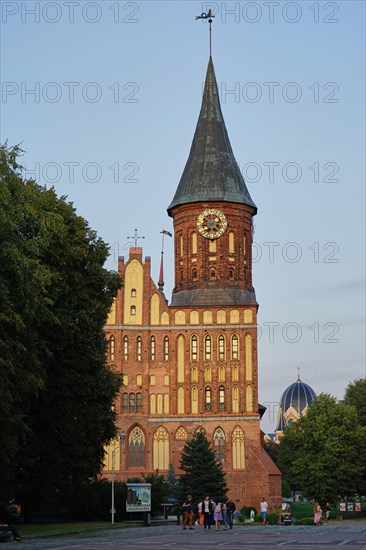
(192, 365)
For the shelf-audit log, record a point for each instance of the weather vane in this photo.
(209, 15)
(135, 237)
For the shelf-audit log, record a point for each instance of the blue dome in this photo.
(294, 403)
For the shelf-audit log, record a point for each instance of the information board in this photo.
(138, 497)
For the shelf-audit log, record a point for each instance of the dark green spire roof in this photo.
(211, 172)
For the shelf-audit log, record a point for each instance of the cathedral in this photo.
(191, 365)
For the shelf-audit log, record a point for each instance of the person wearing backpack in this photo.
(218, 515)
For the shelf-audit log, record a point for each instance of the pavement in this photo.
(351, 536)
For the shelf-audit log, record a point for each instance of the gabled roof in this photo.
(211, 172)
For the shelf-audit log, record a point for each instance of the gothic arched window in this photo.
(111, 348)
(219, 444)
(139, 348)
(166, 348)
(136, 444)
(208, 398)
(208, 342)
(125, 348)
(152, 348)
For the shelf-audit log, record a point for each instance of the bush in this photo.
(272, 518)
(305, 521)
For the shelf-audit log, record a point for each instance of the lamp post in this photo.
(121, 438)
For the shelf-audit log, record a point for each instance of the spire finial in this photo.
(209, 15)
(135, 237)
(161, 274)
(298, 374)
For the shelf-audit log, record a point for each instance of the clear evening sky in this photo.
(104, 98)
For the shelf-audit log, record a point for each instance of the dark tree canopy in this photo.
(203, 474)
(356, 395)
(56, 394)
(324, 452)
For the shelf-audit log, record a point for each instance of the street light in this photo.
(114, 450)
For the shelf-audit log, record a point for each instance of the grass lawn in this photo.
(62, 528)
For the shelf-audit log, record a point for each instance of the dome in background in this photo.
(294, 403)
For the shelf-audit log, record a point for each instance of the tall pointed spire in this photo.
(211, 172)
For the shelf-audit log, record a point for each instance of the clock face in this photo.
(212, 223)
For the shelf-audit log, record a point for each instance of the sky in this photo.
(104, 99)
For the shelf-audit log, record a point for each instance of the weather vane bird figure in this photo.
(205, 15)
(209, 15)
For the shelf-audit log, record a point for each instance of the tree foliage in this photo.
(324, 452)
(203, 474)
(356, 395)
(56, 393)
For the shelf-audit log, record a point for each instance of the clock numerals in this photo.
(211, 224)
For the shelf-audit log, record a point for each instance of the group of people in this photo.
(210, 512)
(318, 512)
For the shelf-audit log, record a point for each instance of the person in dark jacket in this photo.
(207, 509)
(6, 528)
(230, 506)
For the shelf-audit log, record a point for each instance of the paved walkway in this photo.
(351, 536)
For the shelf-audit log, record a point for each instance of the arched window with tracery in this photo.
(166, 348)
(136, 448)
(219, 445)
(138, 402)
(221, 398)
(161, 449)
(139, 348)
(125, 348)
(238, 449)
(234, 347)
(208, 398)
(208, 345)
(152, 348)
(111, 348)
(221, 347)
(194, 348)
(181, 434)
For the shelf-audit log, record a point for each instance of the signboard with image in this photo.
(138, 497)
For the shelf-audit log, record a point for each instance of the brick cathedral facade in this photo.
(193, 364)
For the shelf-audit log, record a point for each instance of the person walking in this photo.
(200, 513)
(317, 514)
(224, 514)
(264, 510)
(187, 512)
(207, 509)
(327, 513)
(218, 515)
(230, 507)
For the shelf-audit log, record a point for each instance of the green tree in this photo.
(324, 451)
(56, 394)
(203, 474)
(172, 481)
(159, 491)
(356, 395)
